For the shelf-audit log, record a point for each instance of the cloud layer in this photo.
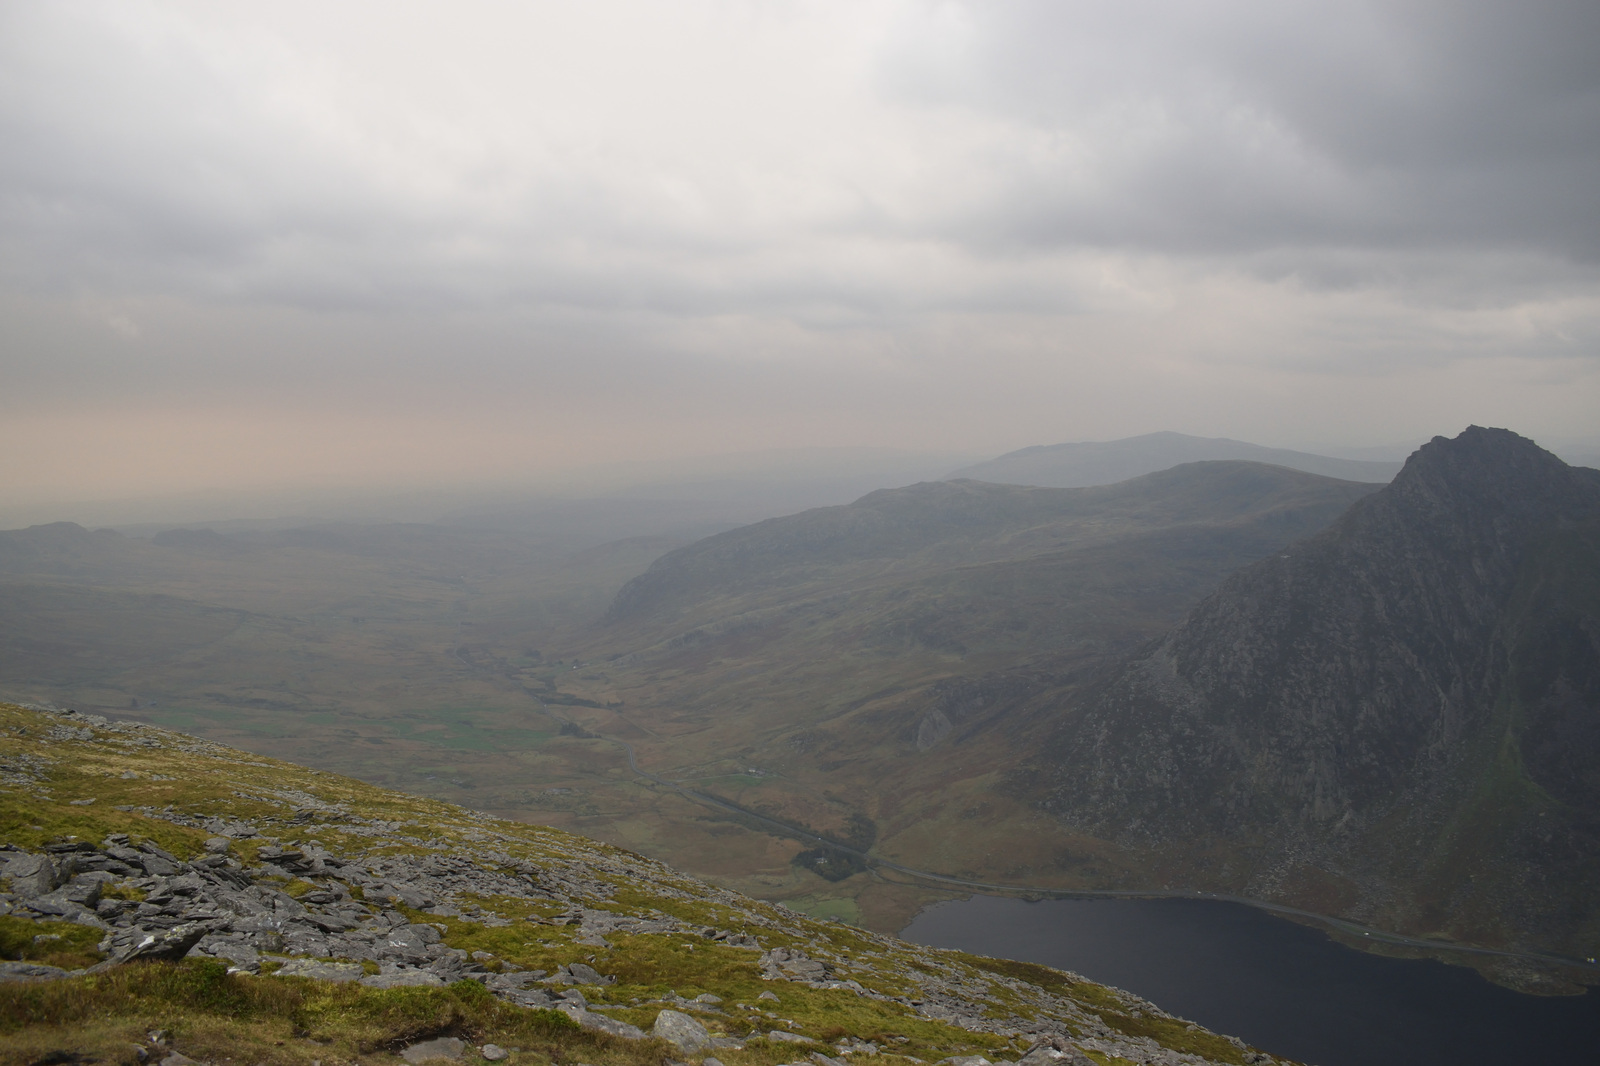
(720, 225)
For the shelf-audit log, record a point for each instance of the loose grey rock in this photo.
(768, 995)
(84, 889)
(599, 1023)
(173, 943)
(446, 1047)
(959, 1060)
(585, 974)
(218, 845)
(1057, 1051)
(494, 1052)
(680, 1029)
(30, 971)
(789, 1038)
(402, 979)
(787, 963)
(175, 1059)
(30, 875)
(322, 971)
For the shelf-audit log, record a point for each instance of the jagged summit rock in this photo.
(1369, 713)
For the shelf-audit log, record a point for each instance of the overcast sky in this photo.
(275, 243)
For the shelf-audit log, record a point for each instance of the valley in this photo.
(827, 708)
(485, 666)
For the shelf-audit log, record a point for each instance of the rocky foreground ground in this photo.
(129, 850)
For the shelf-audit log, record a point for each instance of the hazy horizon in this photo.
(267, 250)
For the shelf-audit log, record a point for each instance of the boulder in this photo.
(587, 975)
(682, 1030)
(599, 1023)
(30, 875)
(402, 979)
(789, 1038)
(446, 1047)
(1056, 1051)
(428, 934)
(30, 971)
(171, 943)
(322, 971)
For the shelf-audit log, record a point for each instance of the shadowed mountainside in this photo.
(1397, 719)
(1105, 462)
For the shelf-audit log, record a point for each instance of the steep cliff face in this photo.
(1407, 704)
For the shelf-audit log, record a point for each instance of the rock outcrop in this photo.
(280, 872)
(1398, 718)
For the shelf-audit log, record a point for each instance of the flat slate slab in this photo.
(322, 971)
(446, 1047)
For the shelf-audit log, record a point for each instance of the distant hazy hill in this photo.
(938, 526)
(1397, 719)
(1107, 462)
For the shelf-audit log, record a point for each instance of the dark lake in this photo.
(1285, 988)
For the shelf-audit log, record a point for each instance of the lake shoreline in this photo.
(1284, 985)
(1530, 973)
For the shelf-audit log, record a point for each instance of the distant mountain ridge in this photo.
(1088, 463)
(1397, 719)
(965, 522)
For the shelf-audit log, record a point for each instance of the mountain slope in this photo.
(1395, 719)
(1104, 462)
(803, 667)
(392, 923)
(940, 525)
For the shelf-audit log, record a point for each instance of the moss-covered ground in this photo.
(62, 781)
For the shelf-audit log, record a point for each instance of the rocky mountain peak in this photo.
(1366, 703)
(1494, 474)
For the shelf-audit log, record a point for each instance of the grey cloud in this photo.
(1094, 212)
(1245, 125)
(1287, 139)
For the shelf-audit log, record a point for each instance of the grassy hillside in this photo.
(319, 919)
(817, 667)
(870, 672)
